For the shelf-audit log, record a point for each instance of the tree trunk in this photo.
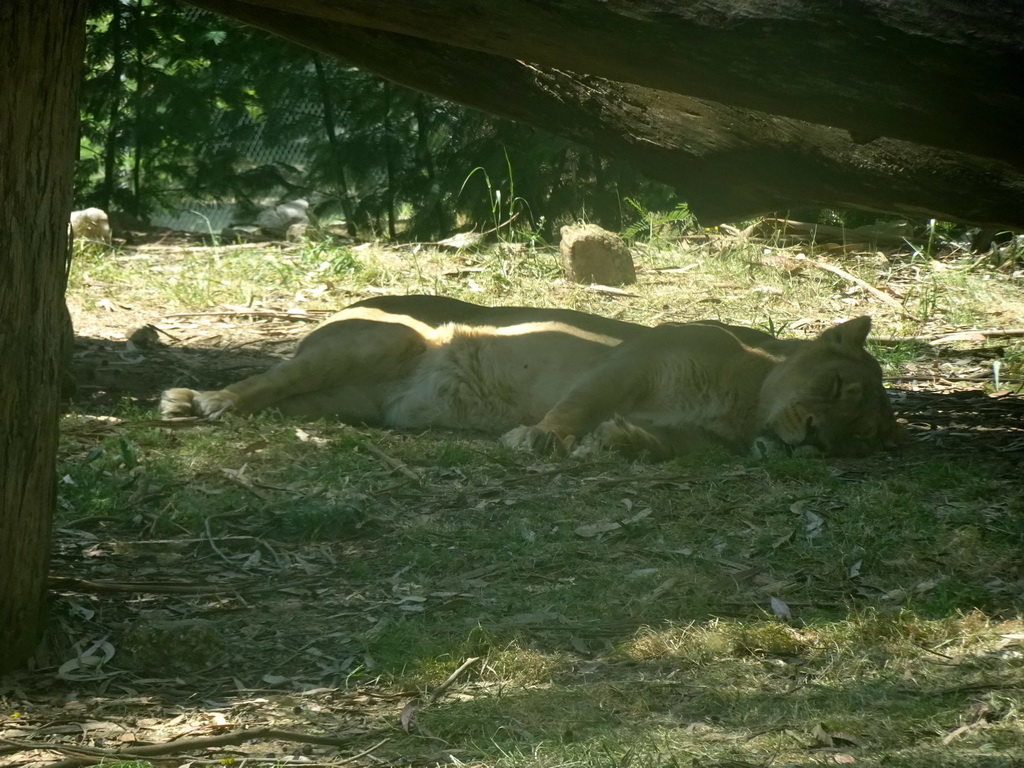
(42, 45)
(438, 213)
(337, 156)
(113, 143)
(389, 162)
(727, 163)
(948, 73)
(139, 147)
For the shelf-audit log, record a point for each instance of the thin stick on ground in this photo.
(393, 463)
(439, 691)
(92, 755)
(950, 336)
(883, 297)
(297, 316)
(156, 588)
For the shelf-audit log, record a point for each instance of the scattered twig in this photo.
(86, 755)
(883, 297)
(180, 422)
(463, 272)
(980, 377)
(97, 425)
(81, 522)
(439, 691)
(92, 755)
(283, 338)
(787, 230)
(505, 223)
(250, 760)
(236, 476)
(303, 316)
(957, 732)
(395, 464)
(168, 334)
(213, 544)
(949, 336)
(156, 588)
(926, 649)
(672, 270)
(609, 289)
(364, 753)
(994, 685)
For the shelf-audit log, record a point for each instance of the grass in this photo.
(652, 644)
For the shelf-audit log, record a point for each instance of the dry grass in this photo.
(345, 572)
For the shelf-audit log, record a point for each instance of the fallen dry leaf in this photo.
(408, 712)
(781, 609)
(596, 529)
(821, 736)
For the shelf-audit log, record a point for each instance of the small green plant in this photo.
(215, 239)
(650, 224)
(929, 248)
(506, 209)
(323, 258)
(929, 298)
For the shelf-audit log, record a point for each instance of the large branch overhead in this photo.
(948, 73)
(727, 162)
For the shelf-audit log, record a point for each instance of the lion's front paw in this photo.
(619, 435)
(771, 447)
(213, 405)
(534, 440)
(177, 402)
(188, 402)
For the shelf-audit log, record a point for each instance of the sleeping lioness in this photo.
(571, 381)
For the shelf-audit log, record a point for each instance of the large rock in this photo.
(297, 232)
(91, 224)
(276, 220)
(594, 255)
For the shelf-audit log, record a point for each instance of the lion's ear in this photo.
(852, 333)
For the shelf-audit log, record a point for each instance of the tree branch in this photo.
(728, 163)
(872, 67)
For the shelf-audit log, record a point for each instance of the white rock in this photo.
(91, 224)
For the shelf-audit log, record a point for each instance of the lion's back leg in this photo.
(340, 369)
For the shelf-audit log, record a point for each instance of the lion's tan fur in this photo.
(549, 377)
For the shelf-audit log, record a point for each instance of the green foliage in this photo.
(651, 225)
(182, 105)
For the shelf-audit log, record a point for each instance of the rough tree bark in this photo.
(725, 161)
(41, 54)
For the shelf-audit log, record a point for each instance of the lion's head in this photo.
(829, 397)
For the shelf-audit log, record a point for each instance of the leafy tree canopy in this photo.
(180, 105)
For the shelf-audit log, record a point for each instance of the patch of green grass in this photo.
(754, 690)
(653, 643)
